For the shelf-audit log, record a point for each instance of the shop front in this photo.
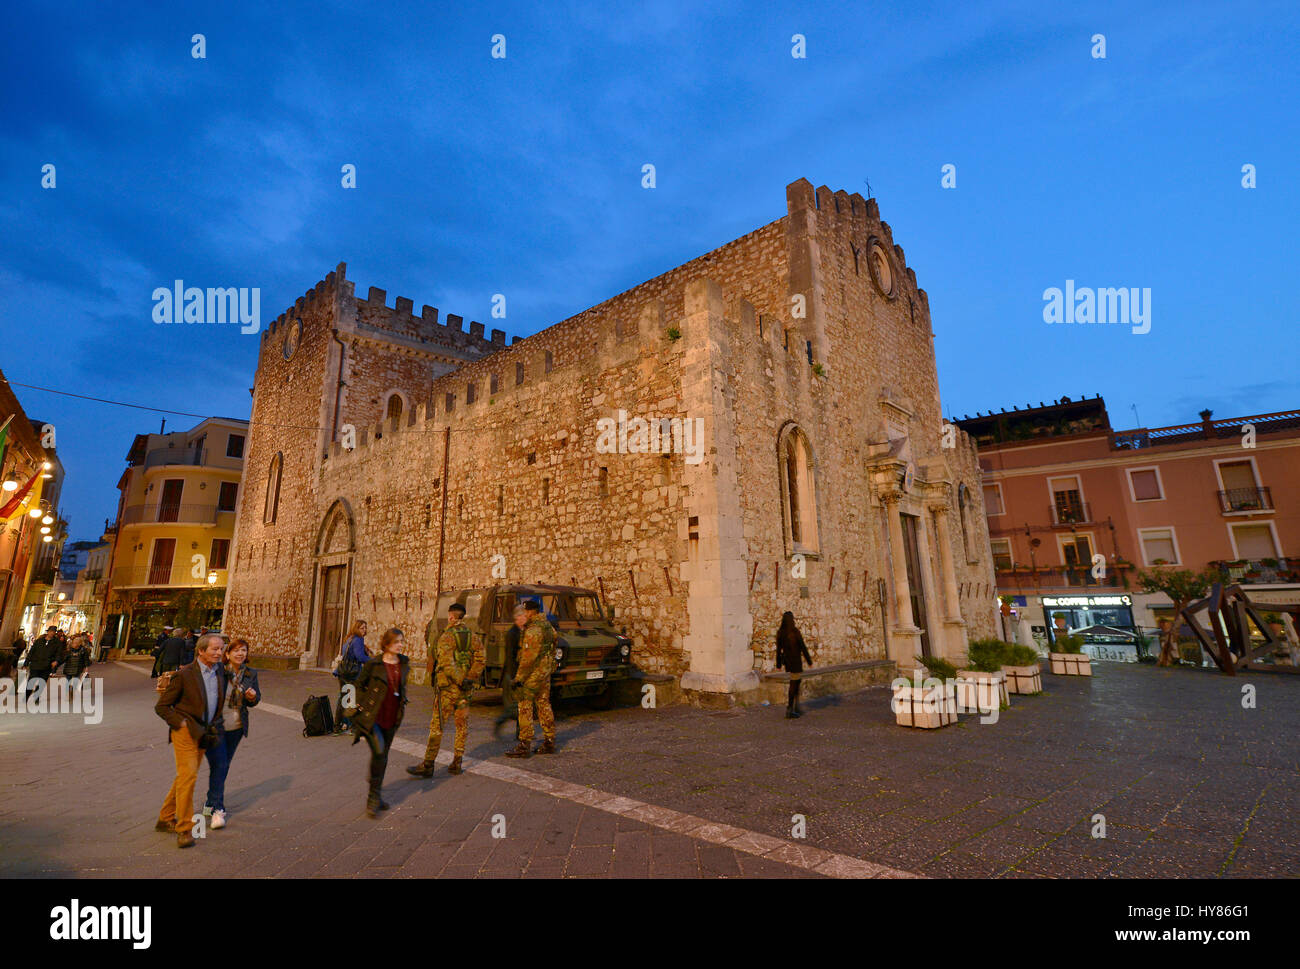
(1104, 621)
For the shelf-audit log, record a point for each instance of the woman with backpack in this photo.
(380, 704)
(347, 667)
(242, 694)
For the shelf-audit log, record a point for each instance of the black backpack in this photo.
(317, 717)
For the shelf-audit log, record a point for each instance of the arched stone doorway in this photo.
(335, 548)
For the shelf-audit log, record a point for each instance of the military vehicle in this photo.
(591, 655)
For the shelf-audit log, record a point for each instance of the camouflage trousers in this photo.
(542, 697)
(450, 703)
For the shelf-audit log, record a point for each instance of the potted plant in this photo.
(1070, 659)
(982, 685)
(930, 703)
(1020, 665)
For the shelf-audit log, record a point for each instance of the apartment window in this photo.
(235, 446)
(1002, 553)
(1158, 543)
(1254, 541)
(226, 495)
(1240, 485)
(798, 489)
(220, 553)
(1067, 501)
(1145, 485)
(993, 499)
(271, 507)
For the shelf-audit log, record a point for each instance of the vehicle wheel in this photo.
(601, 700)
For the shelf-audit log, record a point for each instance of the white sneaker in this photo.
(218, 819)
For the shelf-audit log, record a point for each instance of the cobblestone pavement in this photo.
(1190, 784)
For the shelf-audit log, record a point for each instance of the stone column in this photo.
(952, 607)
(717, 601)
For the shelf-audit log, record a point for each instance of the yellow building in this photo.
(175, 521)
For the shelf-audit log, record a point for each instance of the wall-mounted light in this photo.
(62, 596)
(212, 578)
(47, 470)
(11, 481)
(35, 512)
(49, 538)
(47, 520)
(45, 530)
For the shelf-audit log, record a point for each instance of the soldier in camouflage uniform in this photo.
(533, 682)
(459, 664)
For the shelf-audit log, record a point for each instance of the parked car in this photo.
(591, 655)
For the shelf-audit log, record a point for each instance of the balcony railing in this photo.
(174, 455)
(151, 575)
(167, 512)
(1269, 571)
(1245, 499)
(1056, 576)
(1070, 513)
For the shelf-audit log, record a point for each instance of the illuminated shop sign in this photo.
(1087, 601)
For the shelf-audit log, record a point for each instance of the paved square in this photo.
(1189, 782)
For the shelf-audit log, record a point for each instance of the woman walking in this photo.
(78, 658)
(790, 653)
(242, 693)
(352, 657)
(381, 702)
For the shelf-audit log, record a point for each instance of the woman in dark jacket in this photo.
(78, 658)
(790, 653)
(352, 657)
(242, 694)
(380, 704)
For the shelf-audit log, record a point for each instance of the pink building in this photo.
(1076, 508)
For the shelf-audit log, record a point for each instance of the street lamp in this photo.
(212, 578)
(48, 538)
(47, 470)
(45, 530)
(47, 520)
(11, 481)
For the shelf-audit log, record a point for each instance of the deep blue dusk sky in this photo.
(522, 176)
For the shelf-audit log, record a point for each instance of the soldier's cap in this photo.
(532, 605)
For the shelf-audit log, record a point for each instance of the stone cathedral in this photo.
(803, 464)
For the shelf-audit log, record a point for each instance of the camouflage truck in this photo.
(591, 655)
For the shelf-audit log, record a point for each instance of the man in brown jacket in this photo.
(191, 705)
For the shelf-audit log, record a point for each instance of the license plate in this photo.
(595, 674)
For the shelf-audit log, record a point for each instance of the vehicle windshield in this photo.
(586, 607)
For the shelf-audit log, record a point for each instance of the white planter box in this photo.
(927, 707)
(1071, 664)
(980, 692)
(1026, 680)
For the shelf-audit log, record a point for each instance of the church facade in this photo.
(757, 430)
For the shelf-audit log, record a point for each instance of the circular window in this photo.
(292, 338)
(881, 269)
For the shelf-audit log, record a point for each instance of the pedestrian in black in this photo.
(42, 658)
(172, 657)
(380, 704)
(20, 647)
(509, 702)
(187, 653)
(790, 654)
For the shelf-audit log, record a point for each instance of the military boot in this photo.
(454, 767)
(522, 749)
(422, 769)
(545, 747)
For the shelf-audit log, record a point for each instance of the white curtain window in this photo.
(1254, 542)
(1001, 553)
(1159, 544)
(993, 500)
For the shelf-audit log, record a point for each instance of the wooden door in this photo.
(160, 565)
(333, 612)
(916, 589)
(169, 506)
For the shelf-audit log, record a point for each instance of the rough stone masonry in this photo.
(827, 483)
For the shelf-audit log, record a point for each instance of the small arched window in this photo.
(394, 408)
(798, 490)
(963, 508)
(272, 506)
